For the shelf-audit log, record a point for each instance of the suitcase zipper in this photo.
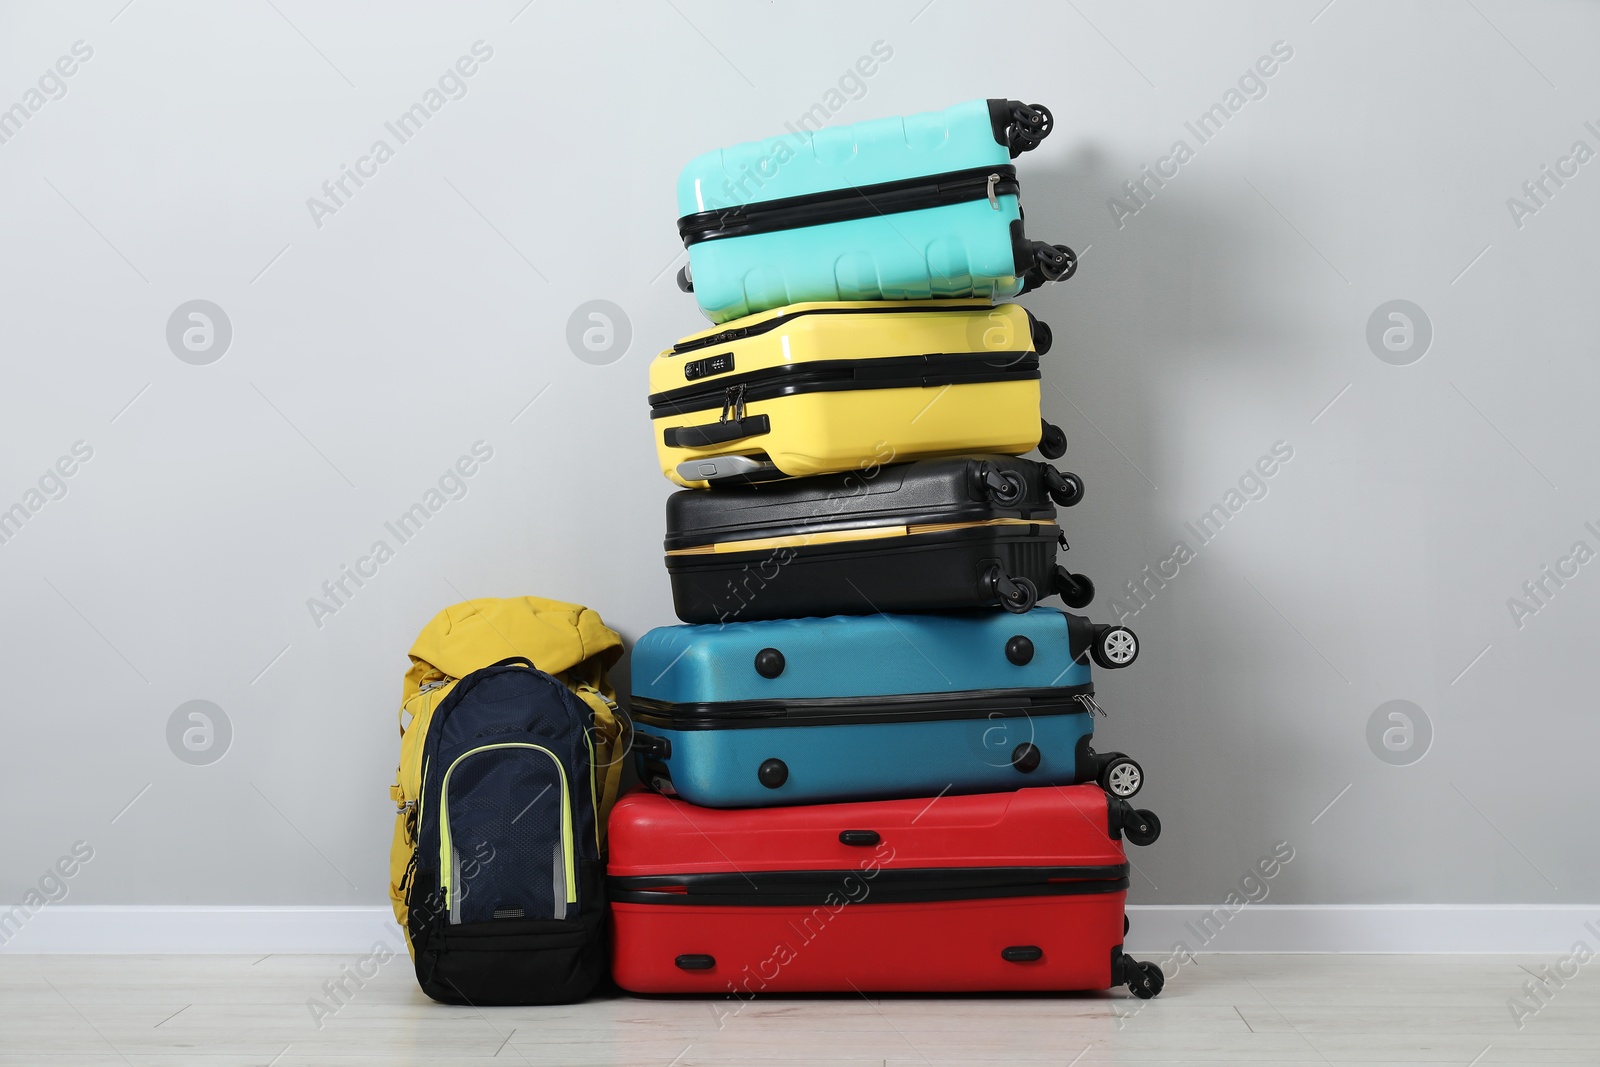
(781, 317)
(887, 708)
(891, 885)
(893, 372)
(852, 203)
(861, 533)
(733, 403)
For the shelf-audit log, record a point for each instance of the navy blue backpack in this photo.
(505, 887)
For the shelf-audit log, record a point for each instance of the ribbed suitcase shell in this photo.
(863, 706)
(919, 536)
(962, 249)
(848, 387)
(699, 905)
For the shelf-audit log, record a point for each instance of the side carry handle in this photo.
(716, 433)
(651, 746)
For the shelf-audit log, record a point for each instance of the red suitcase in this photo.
(996, 891)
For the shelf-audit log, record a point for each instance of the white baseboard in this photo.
(143, 929)
(1155, 929)
(1530, 928)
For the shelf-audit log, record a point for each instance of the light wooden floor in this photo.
(232, 1011)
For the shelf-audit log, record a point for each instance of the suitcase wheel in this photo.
(1114, 647)
(685, 282)
(1043, 337)
(1016, 595)
(1075, 590)
(1003, 488)
(1030, 124)
(1140, 826)
(1064, 487)
(1052, 441)
(1145, 979)
(1121, 776)
(772, 773)
(1056, 263)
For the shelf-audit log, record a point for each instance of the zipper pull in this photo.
(732, 403)
(426, 687)
(1090, 705)
(404, 806)
(994, 201)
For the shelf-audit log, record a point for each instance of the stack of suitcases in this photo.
(867, 755)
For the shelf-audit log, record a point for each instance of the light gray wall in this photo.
(370, 352)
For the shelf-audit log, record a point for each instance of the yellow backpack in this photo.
(568, 641)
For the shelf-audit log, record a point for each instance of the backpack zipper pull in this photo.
(994, 201)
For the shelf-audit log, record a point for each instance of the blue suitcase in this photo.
(891, 209)
(800, 711)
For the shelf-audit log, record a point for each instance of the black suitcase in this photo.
(966, 532)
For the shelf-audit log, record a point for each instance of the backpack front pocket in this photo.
(506, 836)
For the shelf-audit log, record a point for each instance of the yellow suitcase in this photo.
(821, 388)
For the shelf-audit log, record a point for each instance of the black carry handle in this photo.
(1018, 126)
(716, 433)
(651, 745)
(685, 282)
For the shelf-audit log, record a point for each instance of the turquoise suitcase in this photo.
(805, 711)
(910, 208)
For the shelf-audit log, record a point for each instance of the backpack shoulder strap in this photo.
(612, 736)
